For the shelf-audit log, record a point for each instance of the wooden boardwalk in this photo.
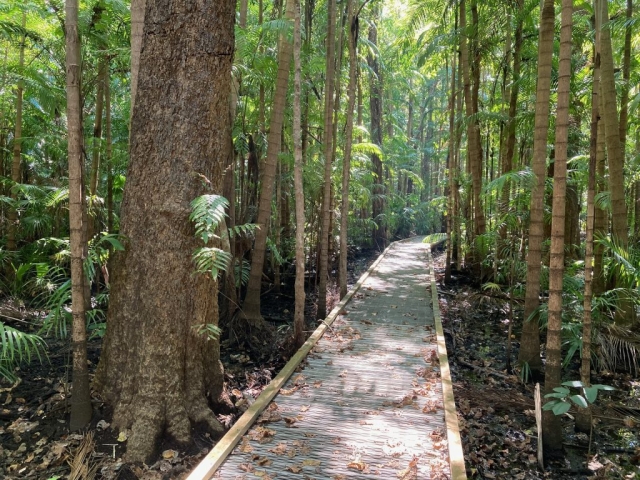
(367, 402)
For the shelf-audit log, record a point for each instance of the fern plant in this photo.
(17, 347)
(208, 215)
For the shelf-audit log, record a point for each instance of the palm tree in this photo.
(552, 427)
(530, 340)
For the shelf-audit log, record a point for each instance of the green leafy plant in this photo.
(562, 397)
(208, 215)
(17, 347)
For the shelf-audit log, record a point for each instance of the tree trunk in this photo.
(530, 340)
(251, 308)
(81, 410)
(16, 166)
(552, 427)
(583, 416)
(298, 321)
(159, 375)
(615, 154)
(137, 30)
(626, 75)
(451, 166)
(375, 105)
(329, 91)
(97, 127)
(109, 151)
(348, 141)
(625, 314)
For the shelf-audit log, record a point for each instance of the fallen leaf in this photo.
(246, 467)
(294, 468)
(305, 408)
(279, 449)
(122, 436)
(359, 465)
(311, 463)
(169, 454)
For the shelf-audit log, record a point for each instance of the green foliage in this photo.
(17, 347)
(562, 399)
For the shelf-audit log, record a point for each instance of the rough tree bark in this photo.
(530, 339)
(552, 436)
(158, 374)
(81, 410)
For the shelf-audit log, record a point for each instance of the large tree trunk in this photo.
(16, 164)
(157, 373)
(81, 410)
(329, 92)
(375, 105)
(551, 424)
(251, 320)
(451, 166)
(298, 320)
(348, 141)
(530, 340)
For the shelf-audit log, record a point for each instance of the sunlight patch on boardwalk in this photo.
(367, 402)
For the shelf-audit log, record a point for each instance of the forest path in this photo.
(367, 402)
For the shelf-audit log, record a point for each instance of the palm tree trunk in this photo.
(552, 426)
(17, 148)
(298, 321)
(530, 340)
(583, 417)
(328, 160)
(251, 306)
(348, 141)
(81, 410)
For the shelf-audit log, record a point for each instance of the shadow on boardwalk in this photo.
(367, 401)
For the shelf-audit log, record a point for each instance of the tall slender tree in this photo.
(298, 322)
(530, 339)
(81, 410)
(250, 314)
(552, 426)
(352, 22)
(329, 92)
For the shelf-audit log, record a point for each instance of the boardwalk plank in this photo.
(367, 402)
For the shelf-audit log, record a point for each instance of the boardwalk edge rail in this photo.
(209, 464)
(456, 454)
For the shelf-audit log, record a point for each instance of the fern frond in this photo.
(207, 212)
(211, 260)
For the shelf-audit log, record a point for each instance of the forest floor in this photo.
(495, 408)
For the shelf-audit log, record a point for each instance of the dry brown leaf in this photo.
(279, 449)
(263, 461)
(246, 467)
(308, 462)
(317, 384)
(305, 408)
(294, 468)
(290, 421)
(245, 447)
(357, 465)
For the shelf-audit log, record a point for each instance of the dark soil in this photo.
(34, 439)
(496, 409)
